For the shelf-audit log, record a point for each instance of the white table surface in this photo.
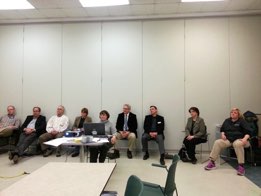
(63, 179)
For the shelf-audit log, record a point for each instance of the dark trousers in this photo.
(159, 139)
(77, 149)
(24, 142)
(191, 146)
(102, 150)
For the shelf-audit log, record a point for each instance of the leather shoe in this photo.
(114, 155)
(11, 155)
(47, 153)
(194, 161)
(58, 154)
(15, 158)
(129, 154)
(162, 162)
(146, 156)
(75, 154)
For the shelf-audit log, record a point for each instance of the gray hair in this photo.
(127, 105)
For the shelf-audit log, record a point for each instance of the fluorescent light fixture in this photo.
(184, 1)
(100, 3)
(15, 5)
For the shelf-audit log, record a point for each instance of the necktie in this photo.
(125, 127)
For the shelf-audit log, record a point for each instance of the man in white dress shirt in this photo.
(55, 129)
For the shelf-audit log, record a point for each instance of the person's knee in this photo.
(41, 139)
(185, 141)
(238, 144)
(144, 137)
(218, 142)
(132, 136)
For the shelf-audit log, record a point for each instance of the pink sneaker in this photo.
(240, 170)
(211, 165)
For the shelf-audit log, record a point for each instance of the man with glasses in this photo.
(9, 122)
(33, 126)
(55, 128)
(126, 126)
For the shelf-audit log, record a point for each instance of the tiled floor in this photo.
(191, 179)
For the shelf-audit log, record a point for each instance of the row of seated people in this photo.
(234, 132)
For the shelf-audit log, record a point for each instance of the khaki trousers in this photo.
(131, 140)
(221, 144)
(6, 132)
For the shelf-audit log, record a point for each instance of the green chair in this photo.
(151, 189)
(134, 188)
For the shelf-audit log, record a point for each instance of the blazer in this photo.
(199, 129)
(159, 124)
(78, 119)
(132, 123)
(40, 124)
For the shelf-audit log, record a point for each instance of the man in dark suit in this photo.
(32, 128)
(153, 130)
(126, 126)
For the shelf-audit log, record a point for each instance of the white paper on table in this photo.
(58, 141)
(100, 140)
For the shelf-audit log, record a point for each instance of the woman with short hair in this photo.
(234, 132)
(195, 133)
(102, 150)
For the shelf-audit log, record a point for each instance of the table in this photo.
(63, 179)
(76, 141)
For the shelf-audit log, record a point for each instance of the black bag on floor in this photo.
(183, 154)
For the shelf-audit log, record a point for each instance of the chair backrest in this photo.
(170, 185)
(134, 186)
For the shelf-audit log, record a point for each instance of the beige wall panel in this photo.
(11, 67)
(42, 68)
(81, 70)
(207, 70)
(245, 60)
(163, 75)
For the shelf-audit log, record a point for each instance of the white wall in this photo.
(81, 70)
(211, 63)
(42, 68)
(163, 75)
(245, 63)
(11, 67)
(207, 69)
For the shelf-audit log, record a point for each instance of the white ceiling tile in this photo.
(137, 2)
(53, 13)
(75, 12)
(97, 11)
(167, 1)
(142, 9)
(255, 5)
(119, 10)
(239, 4)
(10, 14)
(166, 8)
(32, 13)
(40, 4)
(60, 10)
(190, 7)
(69, 4)
(214, 6)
